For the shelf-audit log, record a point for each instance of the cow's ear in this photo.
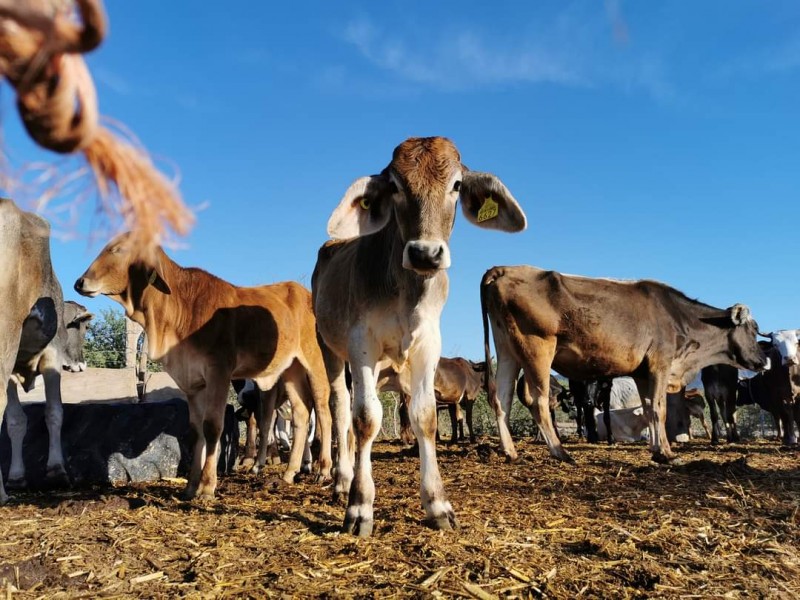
(365, 208)
(82, 317)
(155, 277)
(740, 314)
(487, 203)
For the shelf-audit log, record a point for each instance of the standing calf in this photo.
(379, 288)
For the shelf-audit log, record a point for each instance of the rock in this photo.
(117, 442)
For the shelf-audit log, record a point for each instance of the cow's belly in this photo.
(594, 361)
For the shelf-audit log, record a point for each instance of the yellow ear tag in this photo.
(364, 202)
(489, 210)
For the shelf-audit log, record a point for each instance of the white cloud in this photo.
(574, 50)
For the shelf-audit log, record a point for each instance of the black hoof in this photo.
(663, 459)
(16, 484)
(57, 478)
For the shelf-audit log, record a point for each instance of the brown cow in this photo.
(206, 332)
(379, 288)
(458, 381)
(588, 328)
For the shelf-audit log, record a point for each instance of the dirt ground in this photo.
(725, 524)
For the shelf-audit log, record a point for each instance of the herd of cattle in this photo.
(378, 290)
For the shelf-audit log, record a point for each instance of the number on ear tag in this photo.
(489, 210)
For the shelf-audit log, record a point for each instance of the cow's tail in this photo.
(488, 379)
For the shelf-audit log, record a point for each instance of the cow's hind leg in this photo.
(54, 417)
(266, 416)
(716, 421)
(340, 398)
(507, 370)
(299, 394)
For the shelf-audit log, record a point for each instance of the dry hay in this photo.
(724, 525)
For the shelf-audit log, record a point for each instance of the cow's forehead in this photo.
(425, 164)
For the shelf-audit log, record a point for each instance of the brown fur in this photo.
(588, 328)
(207, 331)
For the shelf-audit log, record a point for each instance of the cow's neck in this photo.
(162, 316)
(703, 342)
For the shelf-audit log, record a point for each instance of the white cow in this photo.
(379, 289)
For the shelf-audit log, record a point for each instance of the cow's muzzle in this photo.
(426, 257)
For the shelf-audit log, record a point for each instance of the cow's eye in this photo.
(457, 186)
(365, 203)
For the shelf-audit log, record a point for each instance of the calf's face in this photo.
(117, 269)
(419, 190)
(742, 340)
(76, 320)
(785, 341)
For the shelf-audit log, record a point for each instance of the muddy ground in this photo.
(725, 524)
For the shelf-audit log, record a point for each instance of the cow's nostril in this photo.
(78, 285)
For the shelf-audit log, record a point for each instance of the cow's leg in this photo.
(250, 443)
(579, 417)
(606, 401)
(423, 362)
(716, 422)
(207, 420)
(589, 420)
(367, 415)
(653, 392)
(308, 459)
(266, 416)
(340, 397)
(704, 424)
(50, 366)
(406, 432)
(730, 417)
(320, 390)
(17, 424)
(787, 420)
(5, 372)
(468, 406)
(452, 410)
(555, 424)
(537, 397)
(507, 370)
(299, 394)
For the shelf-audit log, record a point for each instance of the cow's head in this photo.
(785, 341)
(121, 273)
(419, 190)
(76, 319)
(742, 331)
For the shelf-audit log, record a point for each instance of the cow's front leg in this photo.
(206, 418)
(54, 418)
(654, 398)
(422, 412)
(367, 415)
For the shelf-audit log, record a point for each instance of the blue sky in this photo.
(643, 139)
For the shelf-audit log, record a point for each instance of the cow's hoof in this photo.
(290, 477)
(187, 494)
(3, 497)
(247, 465)
(340, 497)
(18, 483)
(663, 459)
(563, 456)
(323, 479)
(359, 526)
(512, 458)
(57, 477)
(205, 497)
(443, 522)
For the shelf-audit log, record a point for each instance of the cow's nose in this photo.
(426, 256)
(791, 360)
(78, 285)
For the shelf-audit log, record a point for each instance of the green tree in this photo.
(105, 340)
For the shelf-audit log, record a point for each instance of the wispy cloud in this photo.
(573, 49)
(781, 57)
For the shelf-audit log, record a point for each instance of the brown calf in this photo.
(206, 331)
